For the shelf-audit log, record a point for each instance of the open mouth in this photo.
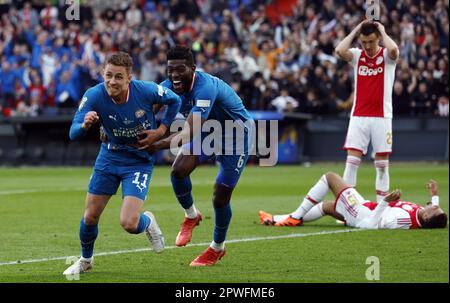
(177, 85)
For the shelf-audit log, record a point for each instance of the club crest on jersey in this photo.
(139, 113)
(379, 60)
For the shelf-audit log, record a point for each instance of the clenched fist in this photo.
(90, 119)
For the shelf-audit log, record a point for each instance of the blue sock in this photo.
(88, 234)
(222, 221)
(183, 190)
(144, 222)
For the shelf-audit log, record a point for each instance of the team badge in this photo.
(379, 60)
(140, 113)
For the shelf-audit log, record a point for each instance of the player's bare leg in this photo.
(95, 204)
(328, 209)
(182, 186)
(381, 164)
(135, 222)
(216, 250)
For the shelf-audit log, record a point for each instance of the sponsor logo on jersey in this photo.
(362, 59)
(139, 113)
(203, 103)
(365, 71)
(112, 117)
(379, 60)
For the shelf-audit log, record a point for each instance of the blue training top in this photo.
(123, 122)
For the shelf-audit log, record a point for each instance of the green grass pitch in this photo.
(40, 210)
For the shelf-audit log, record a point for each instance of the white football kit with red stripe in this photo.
(361, 213)
(371, 115)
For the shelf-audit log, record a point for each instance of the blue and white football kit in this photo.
(118, 161)
(215, 101)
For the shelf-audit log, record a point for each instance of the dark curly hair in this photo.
(369, 28)
(438, 221)
(180, 52)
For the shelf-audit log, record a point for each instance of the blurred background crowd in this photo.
(277, 55)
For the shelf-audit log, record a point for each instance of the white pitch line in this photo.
(190, 245)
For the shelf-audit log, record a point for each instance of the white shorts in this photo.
(349, 204)
(362, 130)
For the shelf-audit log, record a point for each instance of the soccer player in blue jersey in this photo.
(208, 98)
(124, 108)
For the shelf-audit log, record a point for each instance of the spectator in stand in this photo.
(442, 106)
(285, 103)
(8, 78)
(222, 29)
(49, 15)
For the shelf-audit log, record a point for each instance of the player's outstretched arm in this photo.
(342, 49)
(432, 187)
(390, 44)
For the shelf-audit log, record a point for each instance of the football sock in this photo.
(144, 222)
(315, 213)
(88, 234)
(382, 178)
(191, 212)
(183, 190)
(351, 170)
(222, 221)
(279, 218)
(217, 246)
(315, 195)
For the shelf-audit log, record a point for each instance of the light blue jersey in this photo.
(117, 160)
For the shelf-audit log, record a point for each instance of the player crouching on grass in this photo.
(351, 207)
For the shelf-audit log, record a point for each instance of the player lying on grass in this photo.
(355, 211)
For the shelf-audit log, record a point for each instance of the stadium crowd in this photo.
(284, 64)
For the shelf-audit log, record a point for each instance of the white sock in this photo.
(89, 260)
(351, 170)
(191, 212)
(315, 195)
(315, 213)
(279, 218)
(217, 246)
(382, 179)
